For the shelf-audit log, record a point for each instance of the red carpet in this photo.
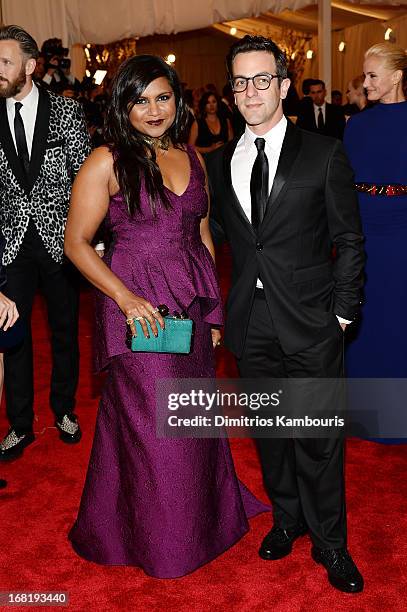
(40, 503)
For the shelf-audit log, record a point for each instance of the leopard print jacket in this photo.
(47, 203)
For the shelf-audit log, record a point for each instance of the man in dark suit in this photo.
(320, 116)
(43, 143)
(284, 198)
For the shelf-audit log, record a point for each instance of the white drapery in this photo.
(358, 39)
(104, 21)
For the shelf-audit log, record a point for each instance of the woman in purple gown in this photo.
(166, 505)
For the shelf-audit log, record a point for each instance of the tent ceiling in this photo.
(344, 15)
(101, 21)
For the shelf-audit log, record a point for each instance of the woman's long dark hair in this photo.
(204, 101)
(134, 157)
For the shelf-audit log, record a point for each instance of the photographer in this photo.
(57, 65)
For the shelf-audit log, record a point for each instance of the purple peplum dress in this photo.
(165, 505)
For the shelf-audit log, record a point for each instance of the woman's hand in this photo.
(216, 145)
(216, 337)
(8, 312)
(136, 307)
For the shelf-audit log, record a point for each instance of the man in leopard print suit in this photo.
(43, 143)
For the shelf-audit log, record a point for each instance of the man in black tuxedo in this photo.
(284, 198)
(43, 143)
(320, 116)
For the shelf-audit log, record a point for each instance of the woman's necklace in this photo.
(163, 142)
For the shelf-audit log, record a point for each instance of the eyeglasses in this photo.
(260, 81)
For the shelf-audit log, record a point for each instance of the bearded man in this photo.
(43, 143)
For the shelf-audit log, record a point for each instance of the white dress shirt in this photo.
(242, 165)
(316, 112)
(28, 114)
(243, 160)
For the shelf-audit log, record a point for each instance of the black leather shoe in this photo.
(13, 445)
(342, 571)
(278, 543)
(69, 430)
(3, 483)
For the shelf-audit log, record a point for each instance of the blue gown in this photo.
(376, 143)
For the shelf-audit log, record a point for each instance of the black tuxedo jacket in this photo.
(60, 146)
(312, 208)
(334, 120)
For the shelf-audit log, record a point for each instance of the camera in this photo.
(64, 63)
(55, 54)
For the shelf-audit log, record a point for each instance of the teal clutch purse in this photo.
(175, 338)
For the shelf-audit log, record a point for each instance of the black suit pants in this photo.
(304, 478)
(32, 268)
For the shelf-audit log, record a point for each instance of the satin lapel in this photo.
(9, 149)
(289, 153)
(227, 159)
(40, 136)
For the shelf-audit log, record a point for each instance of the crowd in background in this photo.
(214, 118)
(290, 299)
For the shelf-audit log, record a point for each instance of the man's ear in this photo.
(284, 87)
(30, 66)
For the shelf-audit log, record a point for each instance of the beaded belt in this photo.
(381, 190)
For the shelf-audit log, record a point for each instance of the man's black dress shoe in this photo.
(13, 445)
(69, 430)
(3, 483)
(342, 571)
(278, 543)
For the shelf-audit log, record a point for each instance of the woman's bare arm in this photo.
(93, 186)
(89, 205)
(230, 130)
(204, 229)
(206, 238)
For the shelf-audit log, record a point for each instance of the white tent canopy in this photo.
(359, 23)
(104, 21)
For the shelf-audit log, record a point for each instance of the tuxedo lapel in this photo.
(9, 149)
(227, 173)
(289, 153)
(40, 136)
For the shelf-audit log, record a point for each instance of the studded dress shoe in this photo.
(69, 430)
(278, 543)
(13, 445)
(342, 571)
